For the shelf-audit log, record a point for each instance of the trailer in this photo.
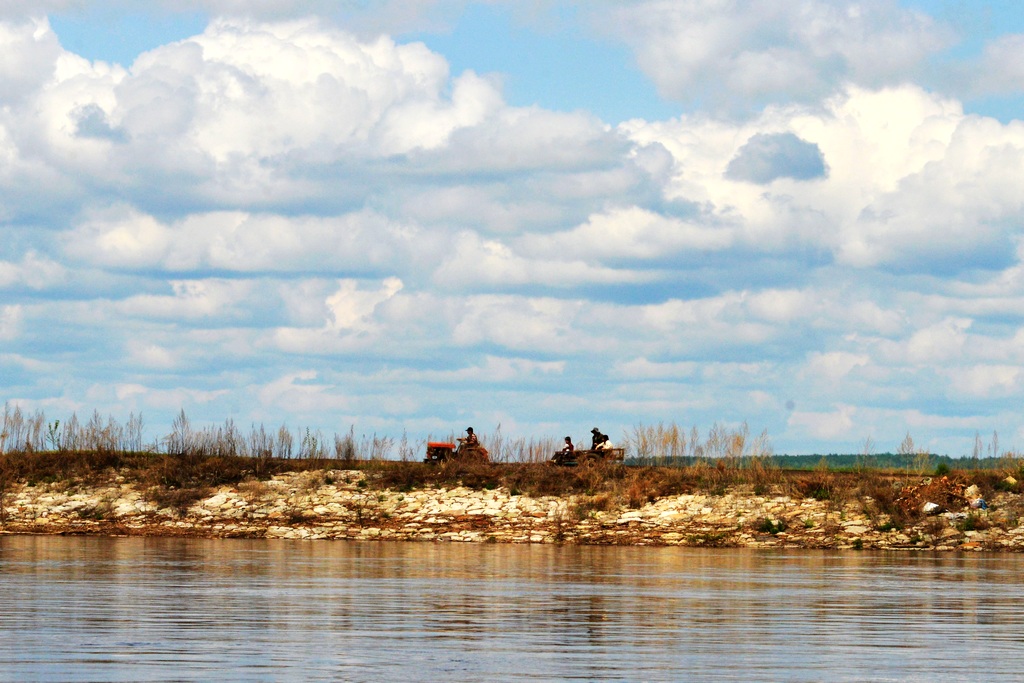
(589, 457)
(443, 451)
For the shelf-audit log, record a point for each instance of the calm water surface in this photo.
(99, 609)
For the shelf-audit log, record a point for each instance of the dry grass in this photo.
(179, 500)
(255, 491)
(584, 505)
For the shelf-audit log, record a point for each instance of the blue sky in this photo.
(412, 216)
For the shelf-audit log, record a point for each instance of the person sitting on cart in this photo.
(565, 456)
(600, 441)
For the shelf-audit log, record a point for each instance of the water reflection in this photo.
(80, 609)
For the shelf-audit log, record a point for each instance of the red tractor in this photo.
(442, 451)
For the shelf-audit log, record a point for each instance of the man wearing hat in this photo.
(600, 440)
(470, 438)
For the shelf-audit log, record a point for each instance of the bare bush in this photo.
(284, 442)
(345, 446)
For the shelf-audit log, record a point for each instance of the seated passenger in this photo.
(568, 447)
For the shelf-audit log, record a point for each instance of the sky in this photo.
(413, 216)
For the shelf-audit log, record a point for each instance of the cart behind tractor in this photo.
(589, 457)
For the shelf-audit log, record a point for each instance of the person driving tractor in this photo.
(470, 438)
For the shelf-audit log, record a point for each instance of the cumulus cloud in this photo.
(1000, 69)
(631, 233)
(834, 366)
(10, 321)
(343, 120)
(34, 271)
(352, 308)
(301, 392)
(638, 368)
(492, 369)
(29, 56)
(913, 183)
(267, 198)
(533, 324)
(190, 300)
(988, 381)
(317, 88)
(149, 356)
(353, 320)
(162, 399)
(766, 157)
(829, 426)
(182, 116)
(714, 50)
(938, 343)
(91, 122)
(490, 263)
(364, 241)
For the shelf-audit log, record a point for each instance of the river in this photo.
(170, 609)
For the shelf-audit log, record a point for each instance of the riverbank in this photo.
(341, 504)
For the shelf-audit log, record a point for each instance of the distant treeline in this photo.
(844, 462)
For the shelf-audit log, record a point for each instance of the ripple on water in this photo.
(78, 609)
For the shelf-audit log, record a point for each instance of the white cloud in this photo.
(740, 51)
(642, 368)
(1000, 70)
(352, 308)
(869, 316)
(828, 426)
(489, 263)
(240, 241)
(354, 320)
(988, 381)
(191, 299)
(535, 324)
(493, 369)
(150, 356)
(631, 233)
(913, 183)
(699, 324)
(182, 116)
(120, 237)
(301, 392)
(834, 366)
(28, 54)
(344, 124)
(782, 306)
(519, 138)
(34, 271)
(316, 88)
(118, 399)
(10, 321)
(938, 343)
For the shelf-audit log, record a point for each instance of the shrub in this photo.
(973, 522)
(766, 525)
(179, 500)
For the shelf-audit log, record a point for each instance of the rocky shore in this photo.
(339, 504)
